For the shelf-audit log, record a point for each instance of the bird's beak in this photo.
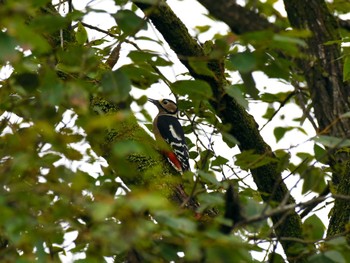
(155, 102)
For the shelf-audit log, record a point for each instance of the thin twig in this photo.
(97, 29)
(306, 110)
(315, 240)
(282, 209)
(282, 104)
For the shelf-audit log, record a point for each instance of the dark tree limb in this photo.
(238, 18)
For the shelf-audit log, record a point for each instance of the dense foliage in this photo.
(81, 177)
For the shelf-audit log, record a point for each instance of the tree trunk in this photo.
(323, 71)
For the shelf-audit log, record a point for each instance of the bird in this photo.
(170, 135)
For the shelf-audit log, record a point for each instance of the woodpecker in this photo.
(170, 135)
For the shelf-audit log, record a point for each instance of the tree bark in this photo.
(323, 68)
(323, 71)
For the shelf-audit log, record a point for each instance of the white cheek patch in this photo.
(173, 133)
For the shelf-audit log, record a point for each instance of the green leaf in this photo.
(149, 57)
(283, 159)
(208, 177)
(336, 256)
(314, 180)
(73, 154)
(101, 210)
(150, 2)
(29, 81)
(276, 258)
(193, 154)
(313, 228)
(52, 90)
(321, 154)
(269, 97)
(29, 38)
(48, 23)
(345, 115)
(129, 22)
(249, 86)
(97, 42)
(80, 181)
(229, 139)
(193, 251)
(253, 207)
(249, 160)
(346, 69)
(289, 40)
(332, 142)
(81, 35)
(235, 92)
(218, 161)
(121, 2)
(142, 76)
(279, 132)
(49, 159)
(320, 258)
(195, 89)
(116, 86)
(210, 199)
(161, 62)
(244, 61)
(337, 242)
(53, 94)
(202, 29)
(200, 67)
(140, 56)
(178, 224)
(270, 111)
(124, 148)
(7, 48)
(144, 200)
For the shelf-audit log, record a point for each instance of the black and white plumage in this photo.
(169, 134)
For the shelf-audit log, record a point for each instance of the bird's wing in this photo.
(171, 131)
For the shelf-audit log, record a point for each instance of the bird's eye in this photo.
(165, 101)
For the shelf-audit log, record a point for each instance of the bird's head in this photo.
(165, 106)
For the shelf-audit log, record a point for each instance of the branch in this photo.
(238, 18)
(281, 210)
(308, 209)
(97, 29)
